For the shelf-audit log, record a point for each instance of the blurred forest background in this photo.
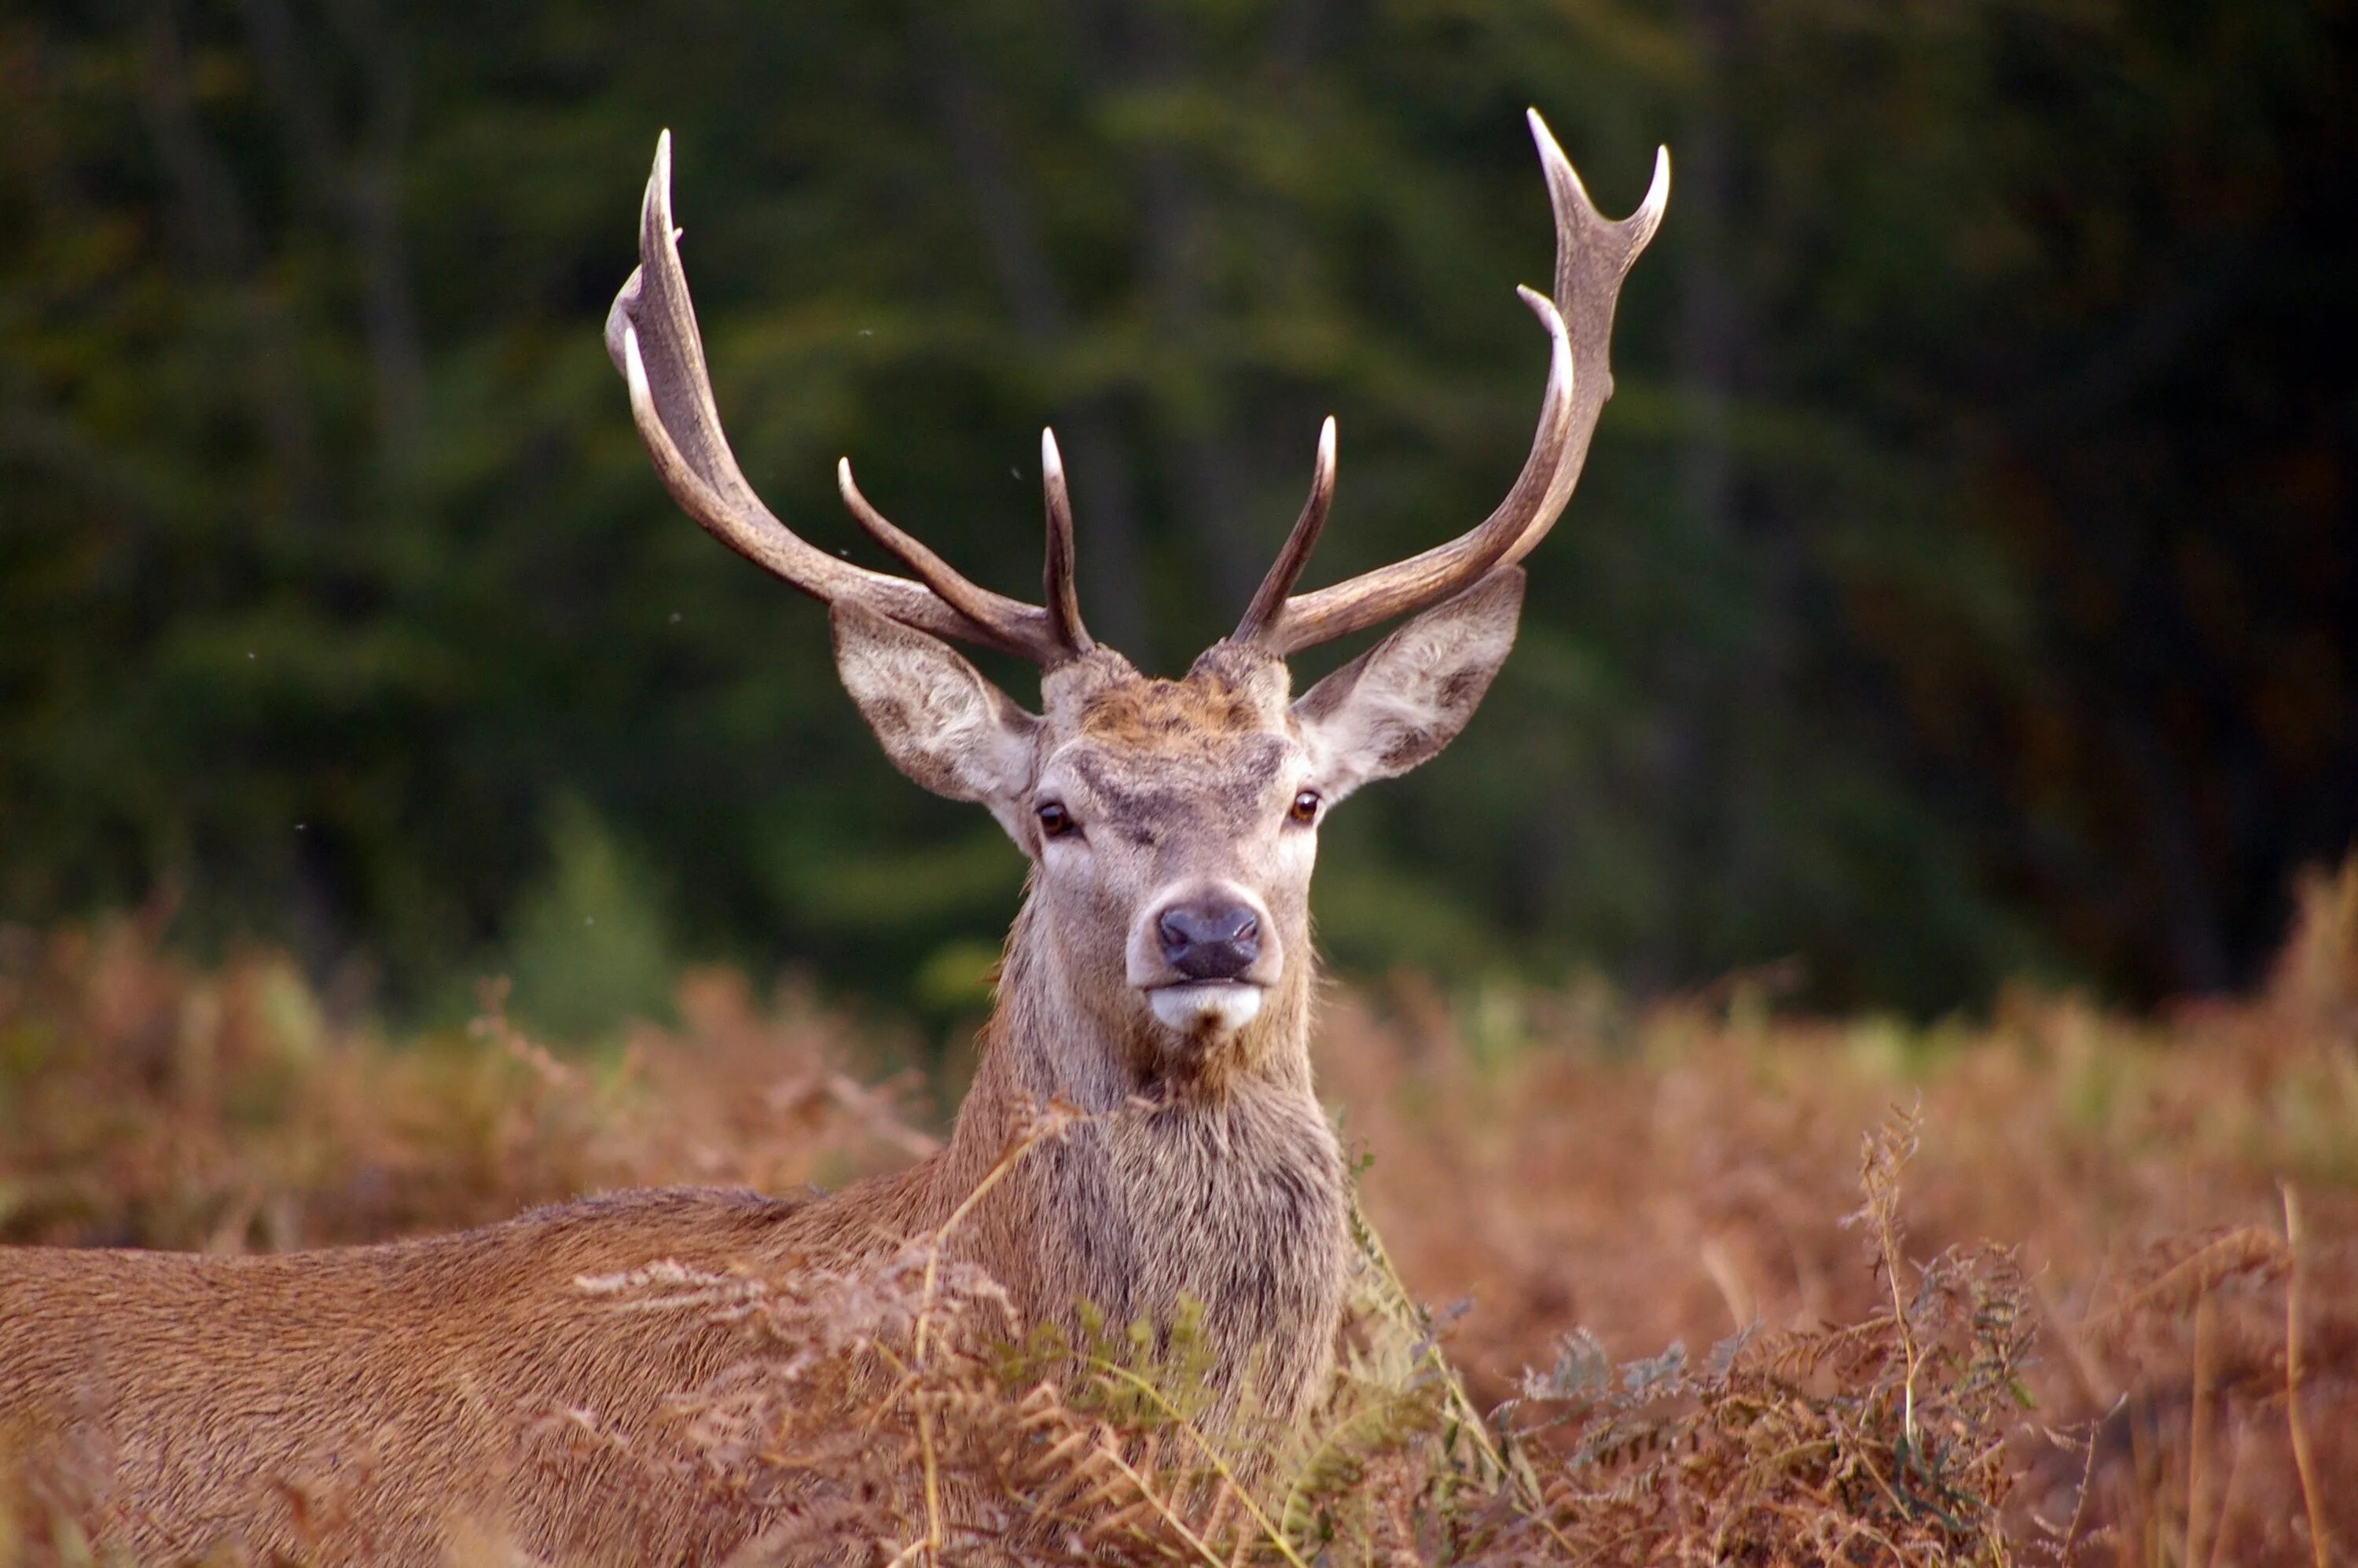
(1964, 583)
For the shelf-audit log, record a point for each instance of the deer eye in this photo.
(1055, 820)
(1305, 807)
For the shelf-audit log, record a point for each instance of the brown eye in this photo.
(1305, 807)
(1055, 820)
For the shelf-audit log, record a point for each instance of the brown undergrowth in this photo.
(2068, 1286)
(902, 1415)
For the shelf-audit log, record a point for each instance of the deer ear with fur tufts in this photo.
(939, 721)
(1397, 705)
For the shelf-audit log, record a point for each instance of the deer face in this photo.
(1173, 824)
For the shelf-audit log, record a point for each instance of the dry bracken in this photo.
(2090, 1299)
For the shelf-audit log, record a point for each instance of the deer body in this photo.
(362, 1404)
(379, 1404)
(371, 1404)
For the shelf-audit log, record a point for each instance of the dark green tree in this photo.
(1963, 580)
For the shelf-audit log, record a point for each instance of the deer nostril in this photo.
(1209, 942)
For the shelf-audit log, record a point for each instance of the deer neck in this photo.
(1214, 1181)
(1064, 1032)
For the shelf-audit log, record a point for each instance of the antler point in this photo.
(656, 213)
(635, 368)
(1658, 193)
(1550, 150)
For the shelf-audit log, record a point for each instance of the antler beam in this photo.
(651, 335)
(1592, 256)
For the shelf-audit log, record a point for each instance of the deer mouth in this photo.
(1196, 1008)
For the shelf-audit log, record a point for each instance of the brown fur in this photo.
(1157, 715)
(368, 1404)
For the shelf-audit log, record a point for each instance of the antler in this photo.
(651, 335)
(1592, 256)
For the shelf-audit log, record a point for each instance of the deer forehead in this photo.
(1155, 753)
(1189, 716)
(1231, 691)
(1215, 784)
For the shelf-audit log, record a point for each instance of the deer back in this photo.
(368, 1404)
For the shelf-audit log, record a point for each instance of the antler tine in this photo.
(977, 604)
(1592, 255)
(1446, 570)
(1058, 593)
(651, 334)
(1286, 570)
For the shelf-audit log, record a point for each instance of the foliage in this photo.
(589, 946)
(2157, 1360)
(888, 1408)
(1960, 581)
(1885, 1440)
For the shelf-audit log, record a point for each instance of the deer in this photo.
(1158, 982)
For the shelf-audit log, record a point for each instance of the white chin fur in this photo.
(1205, 1007)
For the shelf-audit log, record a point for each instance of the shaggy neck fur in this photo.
(1206, 1176)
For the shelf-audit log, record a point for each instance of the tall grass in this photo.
(1710, 1285)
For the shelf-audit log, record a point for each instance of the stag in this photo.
(1158, 982)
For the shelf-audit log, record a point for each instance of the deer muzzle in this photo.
(1204, 954)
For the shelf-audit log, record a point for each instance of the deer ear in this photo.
(939, 721)
(1401, 701)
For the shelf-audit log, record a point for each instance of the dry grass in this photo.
(2070, 1287)
(1675, 1176)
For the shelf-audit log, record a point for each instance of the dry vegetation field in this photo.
(2070, 1286)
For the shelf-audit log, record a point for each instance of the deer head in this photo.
(1172, 826)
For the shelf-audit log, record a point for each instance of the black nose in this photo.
(1210, 940)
